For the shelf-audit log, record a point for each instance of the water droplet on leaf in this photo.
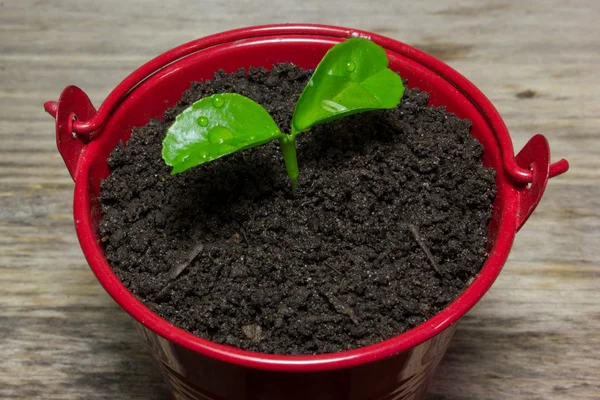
(332, 106)
(350, 66)
(203, 121)
(218, 101)
(219, 134)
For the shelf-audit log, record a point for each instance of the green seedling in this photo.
(352, 77)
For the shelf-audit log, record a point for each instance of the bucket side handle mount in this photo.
(522, 173)
(535, 157)
(73, 105)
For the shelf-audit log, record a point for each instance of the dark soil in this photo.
(387, 227)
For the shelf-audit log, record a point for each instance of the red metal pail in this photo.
(194, 368)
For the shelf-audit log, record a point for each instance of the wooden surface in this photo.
(534, 335)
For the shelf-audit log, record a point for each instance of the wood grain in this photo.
(533, 336)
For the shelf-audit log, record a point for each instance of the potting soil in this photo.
(387, 227)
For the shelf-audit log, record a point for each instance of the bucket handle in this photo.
(73, 105)
(535, 157)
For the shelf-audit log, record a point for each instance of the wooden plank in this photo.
(533, 336)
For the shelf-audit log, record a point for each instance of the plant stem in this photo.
(288, 147)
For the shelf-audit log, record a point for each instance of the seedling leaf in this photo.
(214, 127)
(352, 77)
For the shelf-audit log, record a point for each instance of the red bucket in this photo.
(194, 368)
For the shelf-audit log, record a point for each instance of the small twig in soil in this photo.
(415, 233)
(244, 235)
(163, 290)
(179, 268)
(341, 308)
(382, 256)
(307, 202)
(334, 269)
